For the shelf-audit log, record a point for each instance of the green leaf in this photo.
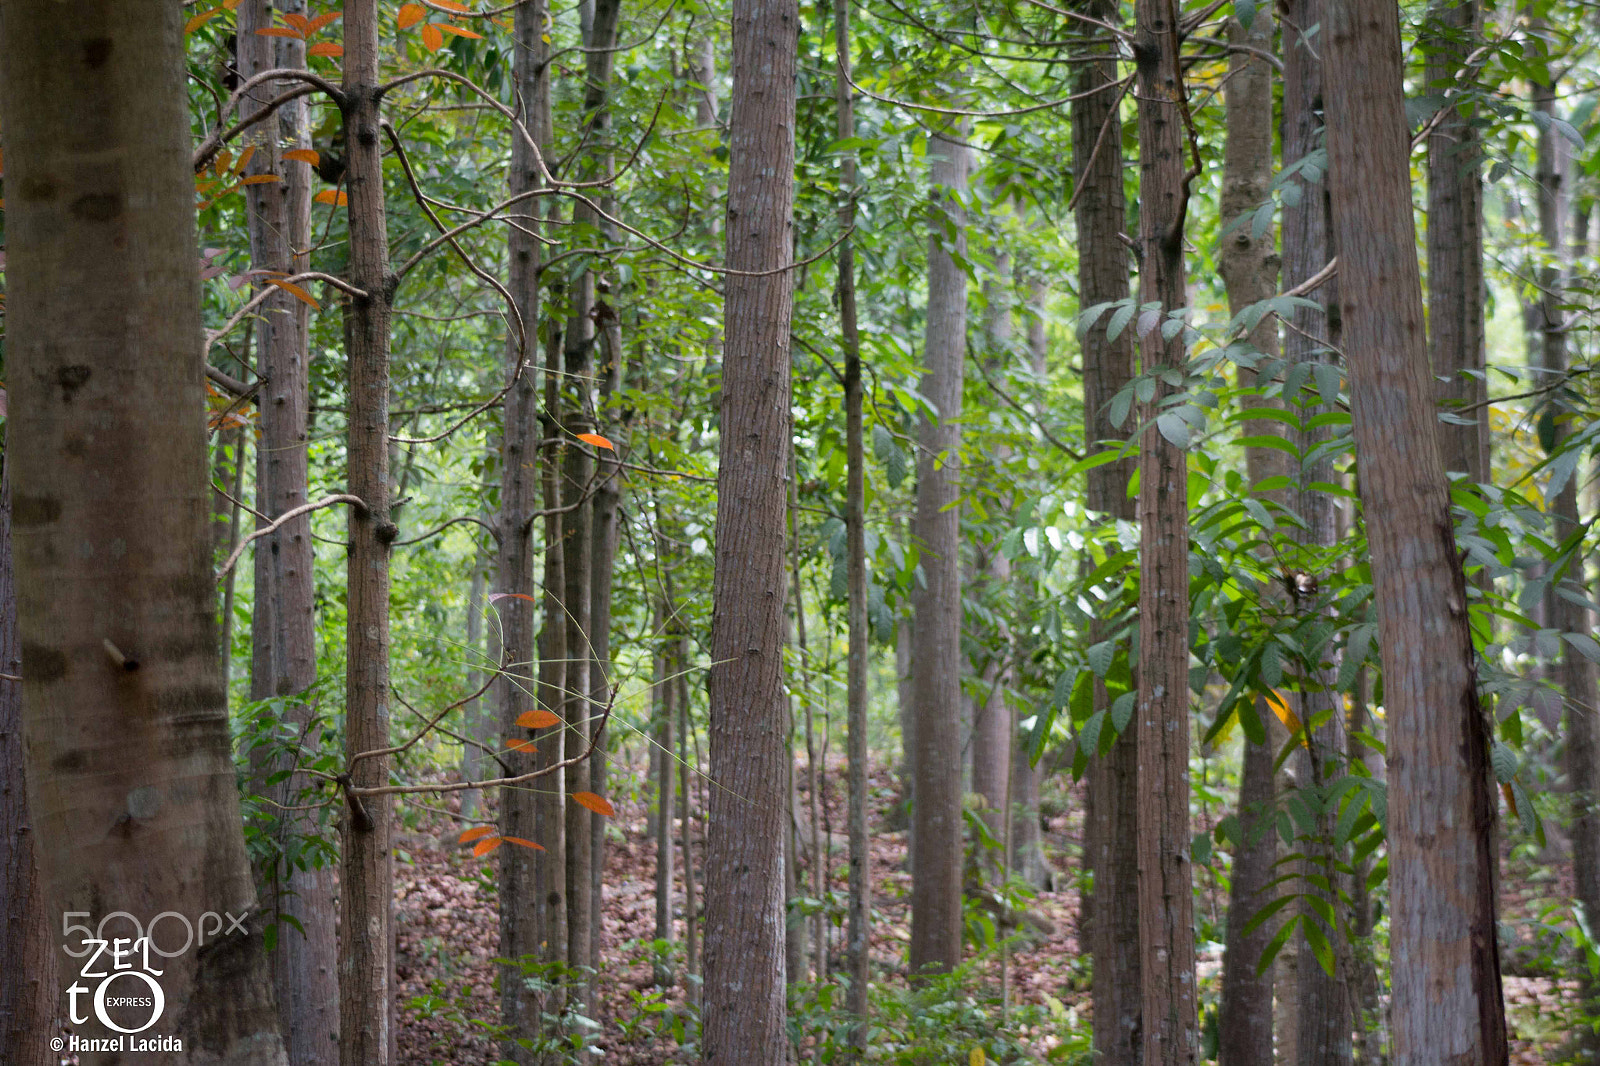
(1504, 761)
(1119, 321)
(1275, 945)
(1100, 656)
(1586, 645)
(1174, 428)
(1122, 711)
(1089, 734)
(1319, 945)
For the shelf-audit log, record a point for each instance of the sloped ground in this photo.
(447, 928)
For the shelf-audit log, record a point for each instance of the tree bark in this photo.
(860, 927)
(27, 950)
(1446, 1005)
(744, 987)
(131, 786)
(1110, 834)
(1166, 919)
(532, 884)
(936, 606)
(283, 631)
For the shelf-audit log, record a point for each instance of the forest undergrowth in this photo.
(447, 919)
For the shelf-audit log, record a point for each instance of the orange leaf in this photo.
(1511, 799)
(1280, 707)
(469, 835)
(538, 718)
(410, 15)
(279, 31)
(303, 155)
(244, 159)
(259, 179)
(329, 196)
(453, 5)
(526, 746)
(432, 39)
(326, 48)
(298, 21)
(320, 21)
(200, 20)
(597, 804)
(458, 31)
(496, 597)
(223, 161)
(597, 440)
(296, 291)
(524, 843)
(231, 4)
(484, 847)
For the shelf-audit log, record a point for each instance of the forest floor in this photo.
(447, 927)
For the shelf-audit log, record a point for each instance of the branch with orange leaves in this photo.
(291, 285)
(219, 136)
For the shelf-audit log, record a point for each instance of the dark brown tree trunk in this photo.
(283, 633)
(1455, 246)
(1166, 921)
(1249, 267)
(860, 928)
(935, 530)
(366, 995)
(1110, 842)
(27, 950)
(744, 986)
(1446, 1005)
(131, 786)
(532, 884)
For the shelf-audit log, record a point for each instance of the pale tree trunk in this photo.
(27, 950)
(1249, 268)
(1446, 1004)
(131, 786)
(1110, 837)
(936, 625)
(476, 723)
(283, 631)
(744, 986)
(691, 904)
(1455, 247)
(366, 993)
(860, 928)
(1166, 904)
(532, 888)
(664, 690)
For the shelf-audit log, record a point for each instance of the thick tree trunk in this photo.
(27, 950)
(1446, 1005)
(1166, 922)
(860, 928)
(744, 987)
(366, 994)
(1110, 836)
(936, 627)
(283, 633)
(131, 787)
(532, 884)
(1249, 267)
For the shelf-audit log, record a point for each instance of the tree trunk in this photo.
(1110, 835)
(860, 927)
(131, 786)
(1455, 246)
(283, 633)
(665, 691)
(1166, 922)
(1249, 267)
(27, 950)
(532, 884)
(1446, 1005)
(366, 995)
(744, 987)
(936, 625)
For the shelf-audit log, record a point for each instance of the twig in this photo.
(277, 523)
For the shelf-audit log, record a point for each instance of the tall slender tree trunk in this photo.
(1110, 834)
(665, 691)
(283, 631)
(131, 786)
(935, 530)
(1446, 1004)
(1456, 288)
(860, 928)
(532, 884)
(1249, 266)
(27, 950)
(1166, 919)
(744, 986)
(366, 995)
